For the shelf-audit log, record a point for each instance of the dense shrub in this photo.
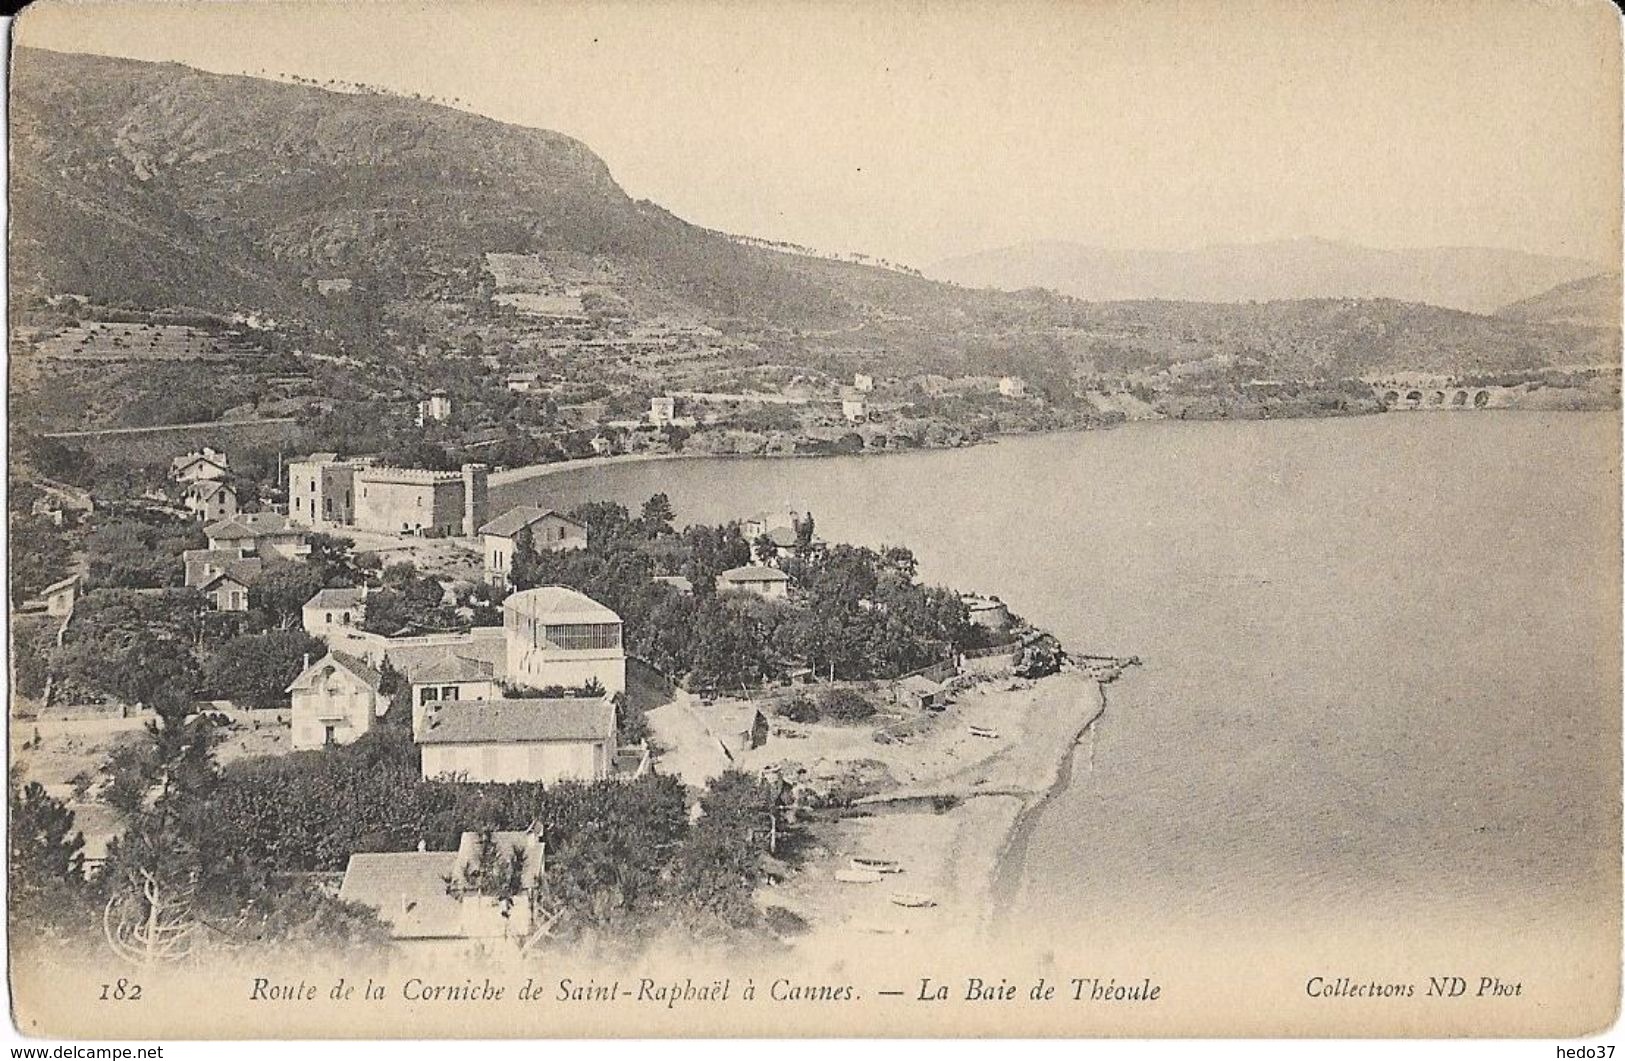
(799, 708)
(845, 705)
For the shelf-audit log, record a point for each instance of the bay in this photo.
(1381, 656)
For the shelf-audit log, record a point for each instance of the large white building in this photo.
(325, 492)
(547, 740)
(556, 636)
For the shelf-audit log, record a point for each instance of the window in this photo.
(329, 616)
(448, 692)
(580, 636)
(236, 600)
(345, 619)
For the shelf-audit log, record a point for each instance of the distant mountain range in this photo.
(1476, 279)
(157, 186)
(1593, 300)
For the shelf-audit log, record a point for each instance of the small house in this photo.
(333, 611)
(210, 499)
(989, 612)
(854, 409)
(549, 531)
(1013, 387)
(264, 534)
(662, 411)
(228, 588)
(336, 700)
(759, 579)
(60, 596)
(920, 693)
(205, 463)
(436, 407)
(449, 899)
(451, 678)
(862, 382)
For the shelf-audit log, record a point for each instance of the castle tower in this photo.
(475, 503)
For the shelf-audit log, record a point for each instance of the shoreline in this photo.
(528, 472)
(963, 855)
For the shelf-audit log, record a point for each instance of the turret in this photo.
(474, 499)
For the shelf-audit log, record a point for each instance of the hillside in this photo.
(1594, 300)
(379, 233)
(1476, 279)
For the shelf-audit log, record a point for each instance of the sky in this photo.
(917, 130)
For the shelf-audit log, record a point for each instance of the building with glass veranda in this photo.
(559, 637)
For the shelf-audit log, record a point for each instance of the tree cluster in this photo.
(855, 612)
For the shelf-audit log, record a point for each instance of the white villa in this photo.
(335, 701)
(556, 636)
(548, 740)
(205, 463)
(334, 611)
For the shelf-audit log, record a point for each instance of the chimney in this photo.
(306, 665)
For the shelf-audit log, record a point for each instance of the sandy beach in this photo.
(952, 855)
(509, 476)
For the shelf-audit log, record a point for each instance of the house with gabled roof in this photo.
(546, 739)
(759, 579)
(452, 678)
(205, 463)
(227, 589)
(336, 700)
(264, 534)
(333, 611)
(210, 499)
(549, 530)
(448, 900)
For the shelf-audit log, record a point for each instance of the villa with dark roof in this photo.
(549, 530)
(265, 534)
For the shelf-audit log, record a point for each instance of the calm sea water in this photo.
(1381, 677)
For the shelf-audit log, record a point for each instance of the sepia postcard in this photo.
(754, 519)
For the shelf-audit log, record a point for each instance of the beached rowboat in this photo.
(912, 899)
(878, 865)
(983, 731)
